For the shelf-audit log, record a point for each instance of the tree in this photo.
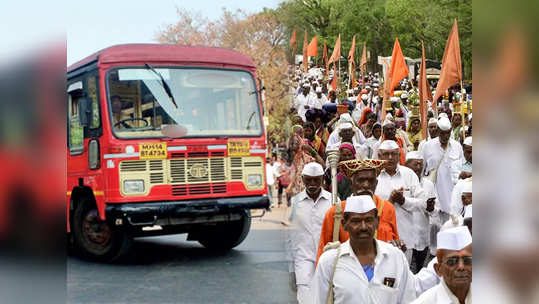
(259, 36)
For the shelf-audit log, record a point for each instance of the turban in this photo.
(350, 167)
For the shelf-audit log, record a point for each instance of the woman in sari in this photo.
(368, 118)
(414, 131)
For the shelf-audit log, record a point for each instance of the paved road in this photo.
(170, 269)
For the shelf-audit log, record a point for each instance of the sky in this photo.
(106, 23)
(90, 26)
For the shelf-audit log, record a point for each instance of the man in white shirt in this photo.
(454, 266)
(301, 104)
(461, 196)
(362, 270)
(440, 155)
(400, 185)
(318, 100)
(311, 205)
(422, 218)
(463, 168)
(371, 141)
(357, 138)
(432, 130)
(270, 180)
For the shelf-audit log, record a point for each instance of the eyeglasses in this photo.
(454, 261)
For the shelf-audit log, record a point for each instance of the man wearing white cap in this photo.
(432, 132)
(427, 278)
(335, 139)
(363, 269)
(440, 155)
(390, 133)
(461, 196)
(318, 100)
(454, 266)
(463, 169)
(310, 206)
(421, 217)
(301, 104)
(404, 107)
(400, 186)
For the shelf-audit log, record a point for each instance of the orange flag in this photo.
(397, 72)
(352, 50)
(451, 72)
(424, 92)
(293, 41)
(305, 54)
(336, 55)
(351, 63)
(334, 81)
(312, 49)
(325, 58)
(363, 62)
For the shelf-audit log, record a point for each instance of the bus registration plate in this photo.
(238, 147)
(153, 150)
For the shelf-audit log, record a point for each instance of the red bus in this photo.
(163, 139)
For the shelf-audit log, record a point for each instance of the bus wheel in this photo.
(96, 239)
(225, 236)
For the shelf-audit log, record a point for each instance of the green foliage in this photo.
(378, 22)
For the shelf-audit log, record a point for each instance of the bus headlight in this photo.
(134, 186)
(254, 180)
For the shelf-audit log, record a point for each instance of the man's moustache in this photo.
(365, 192)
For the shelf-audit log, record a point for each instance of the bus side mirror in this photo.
(85, 111)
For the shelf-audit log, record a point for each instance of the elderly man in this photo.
(463, 169)
(427, 278)
(362, 174)
(351, 134)
(311, 205)
(400, 186)
(375, 137)
(440, 155)
(421, 217)
(432, 130)
(390, 133)
(454, 266)
(461, 196)
(363, 269)
(318, 100)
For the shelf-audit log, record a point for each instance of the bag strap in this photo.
(331, 292)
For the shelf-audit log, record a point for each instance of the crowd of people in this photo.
(400, 228)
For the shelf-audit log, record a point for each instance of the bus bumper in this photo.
(185, 212)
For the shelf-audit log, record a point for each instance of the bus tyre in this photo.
(225, 236)
(95, 239)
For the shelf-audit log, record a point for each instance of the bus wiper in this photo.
(249, 121)
(163, 83)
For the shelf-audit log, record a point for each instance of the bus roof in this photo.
(165, 53)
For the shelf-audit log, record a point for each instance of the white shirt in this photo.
(440, 294)
(414, 200)
(299, 103)
(270, 178)
(350, 284)
(432, 154)
(426, 278)
(422, 218)
(456, 197)
(458, 167)
(317, 103)
(371, 141)
(305, 233)
(276, 166)
(334, 138)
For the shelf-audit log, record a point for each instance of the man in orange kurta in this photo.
(363, 175)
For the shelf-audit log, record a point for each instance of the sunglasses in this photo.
(454, 261)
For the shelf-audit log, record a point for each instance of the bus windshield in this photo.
(206, 102)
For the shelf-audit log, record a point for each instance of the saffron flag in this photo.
(336, 55)
(424, 92)
(312, 49)
(451, 72)
(305, 55)
(397, 71)
(351, 63)
(293, 41)
(363, 62)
